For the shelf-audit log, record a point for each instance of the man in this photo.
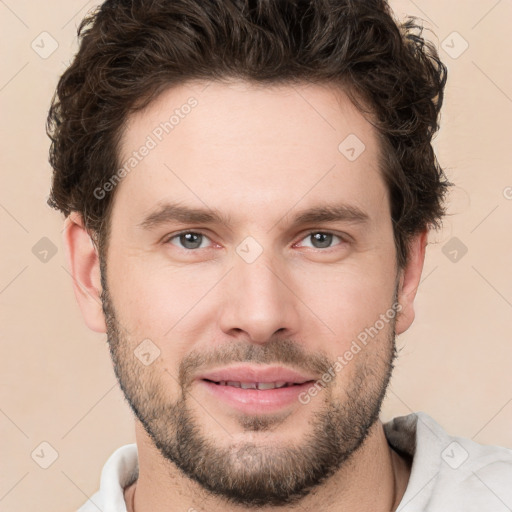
(248, 189)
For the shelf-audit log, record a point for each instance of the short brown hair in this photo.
(132, 50)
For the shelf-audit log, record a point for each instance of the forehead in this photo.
(255, 146)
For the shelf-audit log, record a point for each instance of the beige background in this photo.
(57, 383)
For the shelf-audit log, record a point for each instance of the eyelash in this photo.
(344, 239)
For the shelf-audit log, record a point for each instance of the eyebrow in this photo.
(169, 212)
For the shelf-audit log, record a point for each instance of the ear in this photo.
(84, 264)
(409, 281)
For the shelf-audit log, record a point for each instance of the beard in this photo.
(253, 474)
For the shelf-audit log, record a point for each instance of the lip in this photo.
(255, 401)
(260, 373)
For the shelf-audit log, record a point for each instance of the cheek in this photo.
(349, 298)
(154, 301)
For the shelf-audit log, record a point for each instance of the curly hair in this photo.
(130, 51)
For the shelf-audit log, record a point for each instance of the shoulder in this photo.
(450, 472)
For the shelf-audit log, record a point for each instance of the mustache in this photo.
(276, 351)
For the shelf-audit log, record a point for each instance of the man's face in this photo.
(257, 296)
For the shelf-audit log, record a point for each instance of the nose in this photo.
(259, 301)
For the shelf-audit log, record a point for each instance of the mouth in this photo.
(255, 389)
(257, 385)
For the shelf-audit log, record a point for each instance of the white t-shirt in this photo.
(448, 474)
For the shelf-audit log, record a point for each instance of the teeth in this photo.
(256, 385)
(248, 385)
(266, 385)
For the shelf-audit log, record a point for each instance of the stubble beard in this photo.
(253, 474)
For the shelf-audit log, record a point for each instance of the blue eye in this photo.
(192, 240)
(189, 240)
(321, 239)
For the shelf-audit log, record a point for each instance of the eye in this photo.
(188, 240)
(321, 239)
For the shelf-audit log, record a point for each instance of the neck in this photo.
(374, 478)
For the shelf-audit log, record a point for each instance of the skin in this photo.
(259, 155)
